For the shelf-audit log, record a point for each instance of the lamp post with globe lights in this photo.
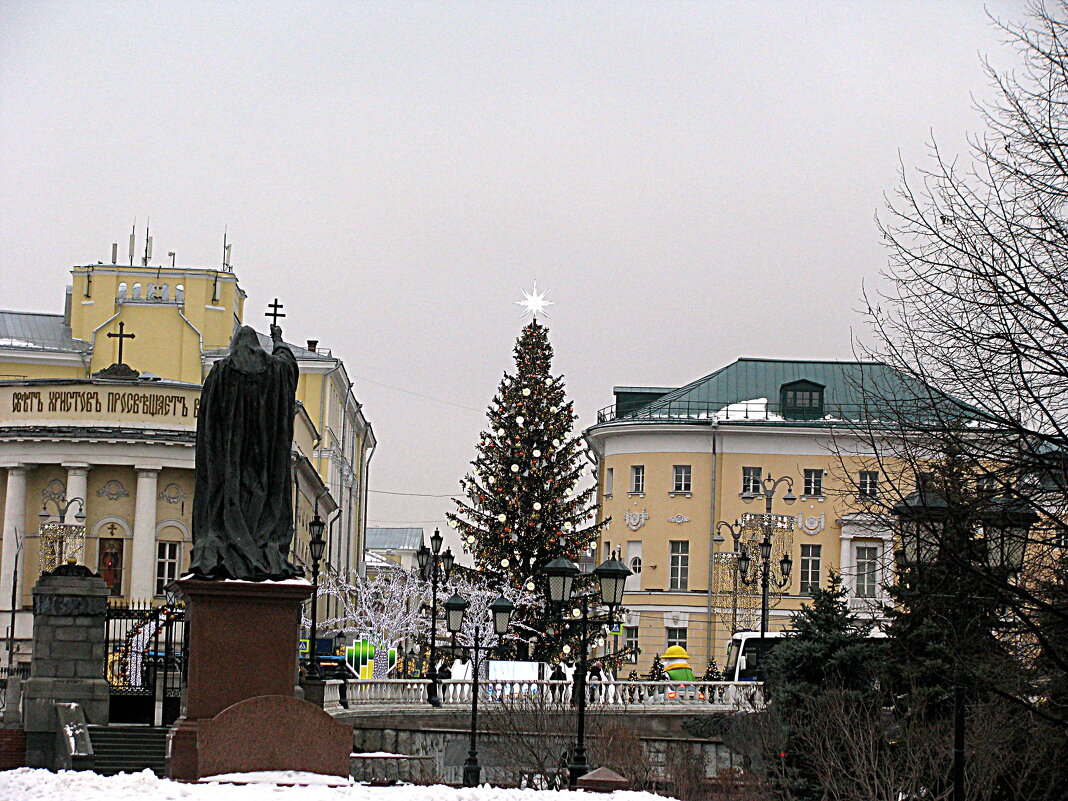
(933, 538)
(316, 547)
(560, 576)
(432, 565)
(768, 487)
(500, 610)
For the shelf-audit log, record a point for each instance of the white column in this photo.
(845, 561)
(14, 518)
(77, 487)
(143, 552)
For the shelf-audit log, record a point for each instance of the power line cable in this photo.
(418, 395)
(414, 494)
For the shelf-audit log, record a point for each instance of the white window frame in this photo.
(637, 479)
(631, 642)
(810, 564)
(682, 479)
(679, 557)
(868, 484)
(676, 640)
(633, 552)
(163, 575)
(875, 573)
(813, 482)
(752, 483)
(609, 480)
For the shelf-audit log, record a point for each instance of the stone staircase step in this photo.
(128, 749)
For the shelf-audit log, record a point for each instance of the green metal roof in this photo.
(852, 391)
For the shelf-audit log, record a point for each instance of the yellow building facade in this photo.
(117, 446)
(674, 462)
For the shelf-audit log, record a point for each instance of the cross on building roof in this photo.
(121, 336)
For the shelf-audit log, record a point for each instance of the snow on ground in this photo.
(28, 784)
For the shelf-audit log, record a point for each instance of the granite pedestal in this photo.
(69, 619)
(240, 713)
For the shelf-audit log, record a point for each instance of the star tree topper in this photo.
(533, 303)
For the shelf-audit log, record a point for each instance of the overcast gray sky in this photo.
(692, 182)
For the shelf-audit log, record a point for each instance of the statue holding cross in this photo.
(243, 504)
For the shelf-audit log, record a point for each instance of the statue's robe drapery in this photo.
(242, 506)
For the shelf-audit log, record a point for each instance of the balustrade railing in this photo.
(618, 695)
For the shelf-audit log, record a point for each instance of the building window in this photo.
(680, 565)
(166, 565)
(609, 476)
(676, 635)
(637, 478)
(751, 484)
(630, 640)
(635, 565)
(110, 564)
(810, 568)
(814, 483)
(986, 484)
(801, 400)
(683, 476)
(867, 572)
(868, 484)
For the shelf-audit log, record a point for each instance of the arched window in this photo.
(136, 292)
(179, 293)
(166, 294)
(122, 290)
(171, 539)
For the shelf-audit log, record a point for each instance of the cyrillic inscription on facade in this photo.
(105, 402)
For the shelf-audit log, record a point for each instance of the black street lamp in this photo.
(764, 548)
(929, 529)
(62, 506)
(432, 563)
(501, 614)
(560, 576)
(316, 546)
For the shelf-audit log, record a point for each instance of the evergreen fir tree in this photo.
(523, 507)
(657, 672)
(829, 650)
(712, 671)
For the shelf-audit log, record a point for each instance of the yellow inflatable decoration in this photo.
(677, 665)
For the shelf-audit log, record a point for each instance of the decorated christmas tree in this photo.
(712, 671)
(657, 672)
(522, 506)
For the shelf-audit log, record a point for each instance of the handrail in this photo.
(619, 695)
(735, 412)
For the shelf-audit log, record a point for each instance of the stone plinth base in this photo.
(69, 618)
(269, 732)
(603, 780)
(240, 711)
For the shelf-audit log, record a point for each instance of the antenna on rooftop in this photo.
(148, 245)
(133, 241)
(114, 252)
(226, 253)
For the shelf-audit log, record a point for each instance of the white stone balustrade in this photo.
(620, 696)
